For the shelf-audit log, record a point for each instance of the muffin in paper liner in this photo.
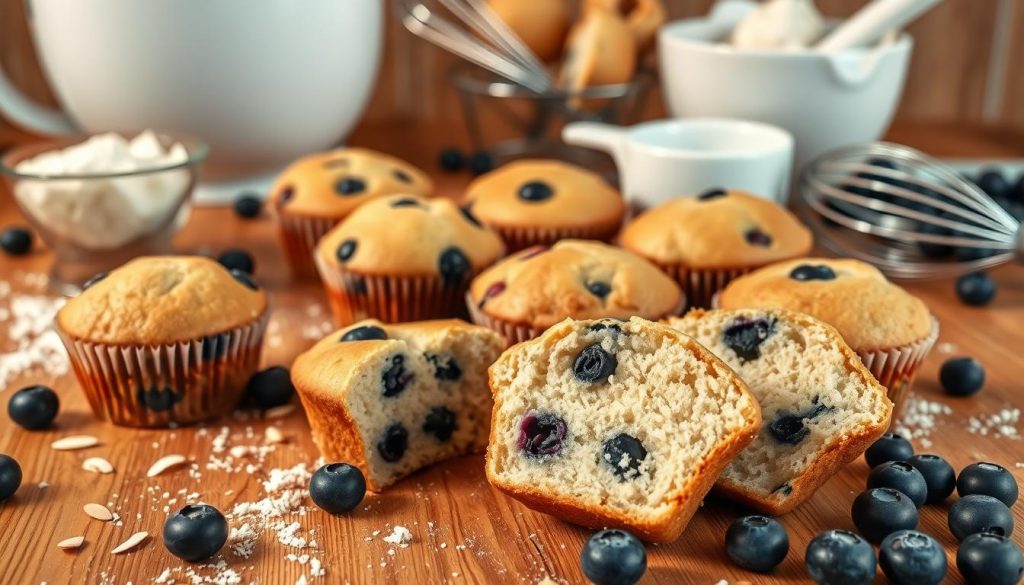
(702, 284)
(299, 235)
(167, 384)
(521, 238)
(895, 368)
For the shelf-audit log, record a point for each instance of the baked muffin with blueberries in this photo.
(404, 258)
(316, 192)
(165, 339)
(703, 242)
(391, 399)
(891, 330)
(538, 202)
(615, 424)
(528, 292)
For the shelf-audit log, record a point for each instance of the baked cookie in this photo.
(821, 406)
(891, 330)
(644, 17)
(706, 241)
(404, 258)
(611, 423)
(538, 202)
(164, 339)
(541, 26)
(391, 399)
(600, 50)
(525, 294)
(316, 192)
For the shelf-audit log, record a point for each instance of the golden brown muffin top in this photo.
(718, 229)
(408, 235)
(331, 184)
(544, 193)
(870, 312)
(157, 300)
(574, 278)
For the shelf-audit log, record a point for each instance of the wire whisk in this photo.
(906, 213)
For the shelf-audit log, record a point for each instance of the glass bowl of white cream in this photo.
(101, 200)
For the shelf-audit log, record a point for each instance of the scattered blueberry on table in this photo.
(10, 476)
(33, 407)
(976, 289)
(613, 557)
(962, 376)
(481, 162)
(16, 241)
(938, 475)
(451, 159)
(888, 447)
(878, 512)
(337, 488)
(901, 476)
(839, 557)
(989, 559)
(976, 513)
(989, 479)
(909, 557)
(196, 532)
(756, 543)
(248, 206)
(270, 388)
(237, 259)
(994, 183)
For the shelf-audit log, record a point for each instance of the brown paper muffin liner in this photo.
(392, 299)
(161, 385)
(701, 284)
(896, 368)
(521, 238)
(299, 236)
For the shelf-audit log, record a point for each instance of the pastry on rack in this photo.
(644, 17)
(622, 424)
(540, 24)
(600, 50)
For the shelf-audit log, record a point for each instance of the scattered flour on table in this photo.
(33, 346)
(1002, 424)
(920, 417)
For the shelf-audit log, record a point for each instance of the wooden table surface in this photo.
(463, 531)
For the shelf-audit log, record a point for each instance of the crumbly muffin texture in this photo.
(615, 423)
(156, 300)
(718, 229)
(331, 184)
(869, 312)
(392, 399)
(821, 406)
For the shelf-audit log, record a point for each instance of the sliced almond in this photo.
(164, 463)
(99, 512)
(97, 465)
(75, 442)
(70, 543)
(279, 411)
(273, 435)
(132, 542)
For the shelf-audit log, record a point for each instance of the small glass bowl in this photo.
(94, 222)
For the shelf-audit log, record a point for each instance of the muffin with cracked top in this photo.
(165, 339)
(404, 258)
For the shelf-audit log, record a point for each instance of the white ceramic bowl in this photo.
(825, 101)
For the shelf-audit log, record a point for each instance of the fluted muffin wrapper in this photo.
(161, 385)
(355, 296)
(521, 238)
(299, 236)
(702, 284)
(897, 367)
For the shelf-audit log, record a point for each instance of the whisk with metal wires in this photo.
(906, 213)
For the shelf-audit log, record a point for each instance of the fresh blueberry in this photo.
(349, 186)
(909, 557)
(453, 265)
(756, 237)
(594, 365)
(95, 278)
(245, 279)
(962, 376)
(196, 532)
(624, 453)
(806, 272)
(270, 388)
(248, 206)
(364, 333)
(445, 367)
(237, 259)
(888, 447)
(938, 475)
(10, 476)
(935, 250)
(994, 183)
(599, 289)
(977, 289)
(756, 543)
(16, 241)
(481, 162)
(451, 159)
(440, 423)
(712, 194)
(396, 377)
(158, 399)
(33, 407)
(970, 253)
(393, 442)
(745, 336)
(839, 557)
(613, 557)
(901, 476)
(346, 249)
(878, 512)
(541, 434)
(467, 212)
(978, 513)
(988, 479)
(401, 176)
(535, 192)
(1018, 190)
(989, 559)
(337, 488)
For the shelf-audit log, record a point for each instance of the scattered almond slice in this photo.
(164, 463)
(99, 512)
(273, 435)
(74, 442)
(279, 411)
(71, 543)
(98, 465)
(132, 542)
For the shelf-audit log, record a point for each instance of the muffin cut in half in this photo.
(822, 408)
(391, 399)
(611, 423)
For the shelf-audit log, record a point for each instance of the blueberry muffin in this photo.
(316, 192)
(525, 294)
(404, 258)
(891, 330)
(644, 17)
(538, 202)
(622, 424)
(704, 242)
(601, 50)
(541, 26)
(165, 340)
(391, 399)
(822, 408)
